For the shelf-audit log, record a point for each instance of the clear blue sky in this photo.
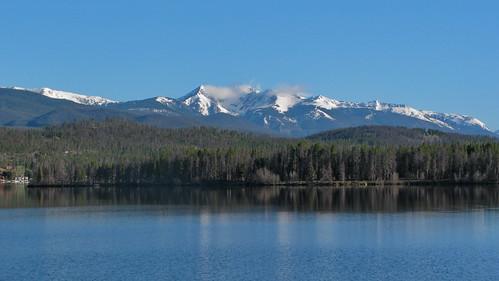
(435, 55)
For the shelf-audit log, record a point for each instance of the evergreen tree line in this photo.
(122, 152)
(302, 162)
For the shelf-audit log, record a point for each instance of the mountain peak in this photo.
(202, 101)
(197, 91)
(163, 100)
(323, 102)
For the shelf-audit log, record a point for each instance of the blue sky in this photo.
(434, 55)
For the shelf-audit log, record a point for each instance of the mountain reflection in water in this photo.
(348, 199)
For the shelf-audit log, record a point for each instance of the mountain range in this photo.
(284, 111)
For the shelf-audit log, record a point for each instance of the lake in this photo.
(258, 233)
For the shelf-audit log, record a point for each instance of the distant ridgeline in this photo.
(244, 108)
(123, 152)
(392, 135)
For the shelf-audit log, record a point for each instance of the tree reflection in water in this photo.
(333, 199)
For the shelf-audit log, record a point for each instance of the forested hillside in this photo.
(123, 152)
(389, 135)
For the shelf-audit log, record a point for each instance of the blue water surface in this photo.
(168, 241)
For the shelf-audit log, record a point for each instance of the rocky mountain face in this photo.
(285, 111)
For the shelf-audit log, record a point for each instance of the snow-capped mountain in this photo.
(285, 110)
(77, 98)
(211, 100)
(290, 111)
(201, 101)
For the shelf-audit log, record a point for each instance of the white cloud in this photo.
(289, 90)
(234, 92)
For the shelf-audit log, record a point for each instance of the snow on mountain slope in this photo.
(205, 101)
(252, 101)
(323, 102)
(77, 98)
(403, 110)
(266, 99)
(164, 101)
(319, 114)
(158, 105)
(457, 119)
(331, 104)
(285, 97)
(284, 102)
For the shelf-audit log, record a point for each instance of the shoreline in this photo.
(19, 182)
(284, 184)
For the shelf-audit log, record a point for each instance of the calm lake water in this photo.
(266, 233)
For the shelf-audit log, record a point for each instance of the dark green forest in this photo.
(122, 152)
(390, 135)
